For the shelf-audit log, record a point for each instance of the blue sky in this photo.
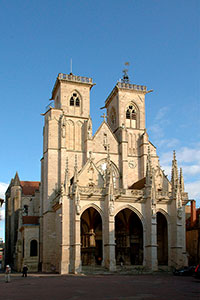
(160, 39)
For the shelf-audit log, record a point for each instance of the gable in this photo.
(104, 137)
(90, 175)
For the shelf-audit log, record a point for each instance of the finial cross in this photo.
(104, 117)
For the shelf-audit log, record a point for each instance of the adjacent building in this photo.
(22, 224)
(193, 234)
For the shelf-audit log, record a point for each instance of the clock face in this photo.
(132, 164)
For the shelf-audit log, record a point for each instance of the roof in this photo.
(140, 184)
(29, 187)
(30, 220)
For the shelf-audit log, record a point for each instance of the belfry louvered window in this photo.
(131, 113)
(74, 100)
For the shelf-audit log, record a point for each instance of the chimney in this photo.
(193, 213)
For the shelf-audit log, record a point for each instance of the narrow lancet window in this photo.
(74, 100)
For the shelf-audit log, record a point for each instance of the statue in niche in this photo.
(179, 212)
(92, 238)
(89, 129)
(63, 126)
(105, 141)
(91, 173)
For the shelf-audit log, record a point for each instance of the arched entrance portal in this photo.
(91, 237)
(162, 239)
(128, 238)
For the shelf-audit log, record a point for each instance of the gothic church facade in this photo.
(104, 198)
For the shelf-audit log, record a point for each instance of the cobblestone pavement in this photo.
(99, 287)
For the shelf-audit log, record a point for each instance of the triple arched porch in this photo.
(129, 237)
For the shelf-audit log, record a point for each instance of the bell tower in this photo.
(126, 116)
(72, 94)
(126, 105)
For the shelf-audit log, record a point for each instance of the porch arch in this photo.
(91, 236)
(133, 209)
(162, 237)
(93, 205)
(129, 236)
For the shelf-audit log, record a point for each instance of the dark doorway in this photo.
(33, 248)
(162, 239)
(128, 238)
(91, 237)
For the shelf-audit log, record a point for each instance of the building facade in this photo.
(22, 224)
(193, 234)
(104, 198)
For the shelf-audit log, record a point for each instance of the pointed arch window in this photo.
(128, 115)
(25, 210)
(75, 100)
(71, 101)
(113, 116)
(131, 116)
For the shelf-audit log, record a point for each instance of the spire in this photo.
(108, 165)
(174, 177)
(181, 180)
(89, 128)
(75, 170)
(66, 175)
(16, 181)
(148, 167)
(76, 188)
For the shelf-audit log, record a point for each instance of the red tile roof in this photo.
(29, 187)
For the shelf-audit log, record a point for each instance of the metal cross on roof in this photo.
(104, 117)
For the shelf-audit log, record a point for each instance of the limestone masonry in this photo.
(103, 198)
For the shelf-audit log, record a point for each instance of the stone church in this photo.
(103, 198)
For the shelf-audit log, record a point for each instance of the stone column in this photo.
(65, 238)
(109, 244)
(150, 259)
(77, 245)
(177, 255)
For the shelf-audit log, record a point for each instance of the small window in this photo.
(25, 210)
(133, 115)
(128, 115)
(33, 248)
(74, 100)
(71, 101)
(77, 102)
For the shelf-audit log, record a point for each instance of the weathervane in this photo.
(125, 78)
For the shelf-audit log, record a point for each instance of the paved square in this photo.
(100, 287)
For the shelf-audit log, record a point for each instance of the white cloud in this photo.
(169, 143)
(161, 113)
(188, 155)
(193, 189)
(167, 170)
(3, 188)
(191, 170)
(157, 130)
(187, 158)
(2, 213)
(160, 122)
